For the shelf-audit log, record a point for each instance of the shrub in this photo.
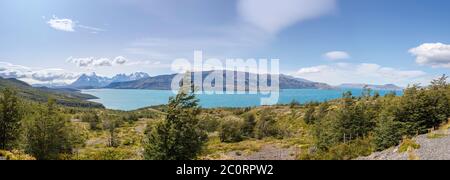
(408, 144)
(266, 126)
(93, 119)
(248, 128)
(231, 130)
(209, 123)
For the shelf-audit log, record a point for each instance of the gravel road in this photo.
(430, 149)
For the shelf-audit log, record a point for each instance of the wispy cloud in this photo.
(337, 55)
(340, 73)
(432, 54)
(273, 16)
(258, 23)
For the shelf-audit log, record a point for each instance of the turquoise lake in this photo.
(130, 99)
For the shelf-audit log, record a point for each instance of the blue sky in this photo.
(332, 41)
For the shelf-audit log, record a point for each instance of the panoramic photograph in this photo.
(234, 80)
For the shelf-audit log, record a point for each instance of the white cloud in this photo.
(337, 55)
(275, 15)
(120, 60)
(69, 25)
(340, 73)
(50, 75)
(91, 62)
(432, 54)
(8, 70)
(35, 75)
(62, 24)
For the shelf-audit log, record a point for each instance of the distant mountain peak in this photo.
(92, 80)
(371, 86)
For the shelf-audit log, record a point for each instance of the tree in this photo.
(249, 125)
(49, 134)
(179, 137)
(388, 133)
(421, 109)
(10, 119)
(353, 120)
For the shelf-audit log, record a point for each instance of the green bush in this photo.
(248, 129)
(92, 119)
(266, 126)
(209, 123)
(231, 130)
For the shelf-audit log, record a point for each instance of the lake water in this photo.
(129, 99)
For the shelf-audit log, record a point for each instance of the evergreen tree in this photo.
(10, 119)
(179, 137)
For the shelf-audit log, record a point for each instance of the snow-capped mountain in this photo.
(90, 81)
(131, 77)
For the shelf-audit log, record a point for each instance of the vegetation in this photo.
(231, 130)
(385, 121)
(93, 119)
(266, 126)
(341, 129)
(179, 137)
(49, 134)
(66, 97)
(9, 119)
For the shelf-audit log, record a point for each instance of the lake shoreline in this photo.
(133, 99)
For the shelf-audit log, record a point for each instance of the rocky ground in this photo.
(268, 152)
(433, 146)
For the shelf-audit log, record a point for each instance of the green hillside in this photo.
(66, 97)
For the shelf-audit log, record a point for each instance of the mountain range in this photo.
(93, 81)
(140, 80)
(164, 82)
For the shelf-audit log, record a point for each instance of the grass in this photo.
(216, 149)
(440, 133)
(408, 145)
(15, 155)
(435, 135)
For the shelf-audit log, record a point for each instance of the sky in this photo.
(332, 41)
